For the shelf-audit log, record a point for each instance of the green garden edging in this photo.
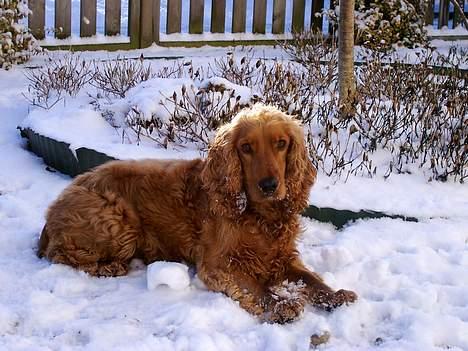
(58, 155)
(339, 218)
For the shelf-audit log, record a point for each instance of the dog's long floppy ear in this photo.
(300, 173)
(222, 175)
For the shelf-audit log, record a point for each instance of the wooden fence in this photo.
(446, 13)
(144, 20)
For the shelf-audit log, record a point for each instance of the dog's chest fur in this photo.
(257, 250)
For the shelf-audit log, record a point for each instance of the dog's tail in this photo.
(43, 243)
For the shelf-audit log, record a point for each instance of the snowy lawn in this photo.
(412, 278)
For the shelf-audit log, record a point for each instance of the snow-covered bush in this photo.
(16, 42)
(401, 106)
(191, 114)
(407, 115)
(384, 23)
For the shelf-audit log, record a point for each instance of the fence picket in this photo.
(218, 16)
(279, 15)
(134, 14)
(36, 19)
(443, 13)
(174, 16)
(156, 20)
(298, 15)
(62, 18)
(112, 17)
(239, 10)
(146, 24)
(259, 14)
(196, 16)
(88, 18)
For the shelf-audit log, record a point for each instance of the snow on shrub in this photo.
(16, 42)
(182, 111)
(406, 116)
(380, 24)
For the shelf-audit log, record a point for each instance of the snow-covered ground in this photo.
(412, 278)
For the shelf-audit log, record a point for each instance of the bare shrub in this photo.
(60, 77)
(118, 76)
(311, 48)
(241, 71)
(418, 115)
(417, 112)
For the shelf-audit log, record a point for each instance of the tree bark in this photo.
(346, 80)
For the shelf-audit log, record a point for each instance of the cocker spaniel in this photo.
(234, 215)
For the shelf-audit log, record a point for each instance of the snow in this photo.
(208, 36)
(172, 274)
(150, 97)
(411, 278)
(244, 93)
(444, 31)
(77, 40)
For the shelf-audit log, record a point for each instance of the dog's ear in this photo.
(222, 175)
(300, 173)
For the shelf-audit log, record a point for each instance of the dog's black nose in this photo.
(268, 185)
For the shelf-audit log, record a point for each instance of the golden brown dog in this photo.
(234, 215)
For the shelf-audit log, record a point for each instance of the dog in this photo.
(233, 215)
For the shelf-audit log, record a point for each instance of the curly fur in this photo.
(211, 213)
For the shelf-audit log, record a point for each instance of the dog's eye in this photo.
(246, 148)
(281, 144)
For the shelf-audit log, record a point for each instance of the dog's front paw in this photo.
(285, 303)
(283, 311)
(330, 300)
(344, 297)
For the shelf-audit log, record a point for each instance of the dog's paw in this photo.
(344, 297)
(283, 311)
(331, 300)
(112, 269)
(285, 302)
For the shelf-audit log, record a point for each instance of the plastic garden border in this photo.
(59, 156)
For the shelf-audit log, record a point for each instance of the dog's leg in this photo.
(94, 232)
(88, 262)
(270, 305)
(248, 293)
(317, 292)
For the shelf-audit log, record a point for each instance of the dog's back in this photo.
(122, 210)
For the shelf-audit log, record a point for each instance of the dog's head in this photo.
(259, 159)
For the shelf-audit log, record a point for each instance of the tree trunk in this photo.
(346, 80)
